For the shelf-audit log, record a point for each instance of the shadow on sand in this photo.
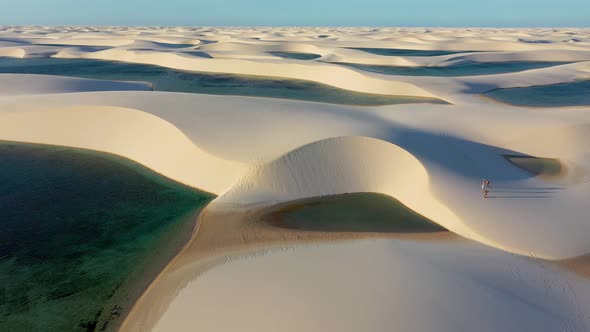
(519, 196)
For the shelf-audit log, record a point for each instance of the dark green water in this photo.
(296, 55)
(169, 45)
(362, 212)
(555, 95)
(537, 166)
(405, 52)
(81, 235)
(166, 79)
(470, 69)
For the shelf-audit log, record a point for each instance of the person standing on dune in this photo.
(484, 187)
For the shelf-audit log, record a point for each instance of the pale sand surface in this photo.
(25, 84)
(226, 232)
(257, 152)
(379, 285)
(580, 265)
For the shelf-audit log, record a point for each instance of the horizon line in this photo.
(301, 26)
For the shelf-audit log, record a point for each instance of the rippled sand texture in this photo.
(516, 261)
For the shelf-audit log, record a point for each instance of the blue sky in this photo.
(426, 13)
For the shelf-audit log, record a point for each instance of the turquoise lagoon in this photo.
(468, 69)
(575, 93)
(83, 234)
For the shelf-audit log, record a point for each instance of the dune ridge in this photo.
(27, 84)
(343, 165)
(147, 141)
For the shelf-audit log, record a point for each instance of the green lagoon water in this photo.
(469, 69)
(555, 95)
(166, 79)
(296, 55)
(536, 165)
(405, 52)
(360, 212)
(82, 234)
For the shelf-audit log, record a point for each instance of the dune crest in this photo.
(343, 165)
(147, 140)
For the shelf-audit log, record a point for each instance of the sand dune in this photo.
(19, 84)
(341, 165)
(377, 285)
(337, 76)
(12, 52)
(258, 152)
(126, 132)
(454, 160)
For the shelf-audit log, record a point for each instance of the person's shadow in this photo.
(523, 192)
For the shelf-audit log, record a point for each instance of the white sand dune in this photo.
(136, 135)
(468, 89)
(28, 84)
(455, 158)
(337, 76)
(341, 165)
(379, 286)
(12, 52)
(257, 152)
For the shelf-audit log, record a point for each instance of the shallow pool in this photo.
(405, 52)
(296, 55)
